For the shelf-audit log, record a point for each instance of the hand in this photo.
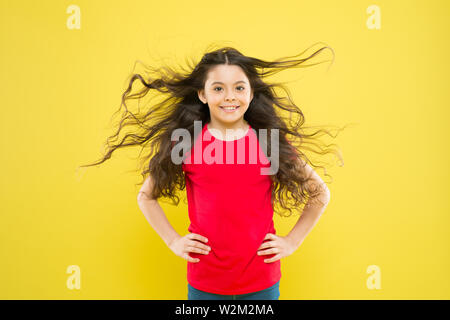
(281, 246)
(181, 246)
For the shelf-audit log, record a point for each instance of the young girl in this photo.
(232, 249)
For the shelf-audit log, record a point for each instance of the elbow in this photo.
(324, 197)
(143, 196)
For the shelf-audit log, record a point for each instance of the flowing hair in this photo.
(181, 106)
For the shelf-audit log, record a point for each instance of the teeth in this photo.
(229, 108)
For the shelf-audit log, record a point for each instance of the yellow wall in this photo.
(389, 206)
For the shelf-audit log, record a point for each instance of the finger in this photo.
(267, 244)
(197, 244)
(267, 251)
(194, 249)
(190, 259)
(269, 236)
(198, 237)
(273, 259)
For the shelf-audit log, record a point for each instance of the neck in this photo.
(231, 126)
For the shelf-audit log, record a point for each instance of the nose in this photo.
(230, 97)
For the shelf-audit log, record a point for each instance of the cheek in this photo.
(215, 101)
(246, 98)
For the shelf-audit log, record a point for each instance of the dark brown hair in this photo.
(181, 106)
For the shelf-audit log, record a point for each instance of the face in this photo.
(226, 85)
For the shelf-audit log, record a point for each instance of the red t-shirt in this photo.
(230, 205)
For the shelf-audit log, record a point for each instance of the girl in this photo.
(232, 249)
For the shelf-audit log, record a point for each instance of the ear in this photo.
(251, 96)
(201, 95)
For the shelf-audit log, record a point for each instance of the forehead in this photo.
(226, 74)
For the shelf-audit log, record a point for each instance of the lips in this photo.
(229, 110)
(223, 107)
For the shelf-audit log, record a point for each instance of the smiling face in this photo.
(226, 85)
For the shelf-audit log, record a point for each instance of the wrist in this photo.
(294, 241)
(171, 240)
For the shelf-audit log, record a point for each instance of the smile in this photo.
(229, 109)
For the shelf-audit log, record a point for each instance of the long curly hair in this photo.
(180, 107)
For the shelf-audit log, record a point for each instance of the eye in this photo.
(243, 88)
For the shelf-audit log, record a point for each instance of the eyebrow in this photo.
(223, 83)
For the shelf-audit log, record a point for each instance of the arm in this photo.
(154, 213)
(312, 210)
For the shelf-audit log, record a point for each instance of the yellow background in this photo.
(389, 203)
